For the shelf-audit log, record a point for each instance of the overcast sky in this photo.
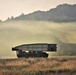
(14, 8)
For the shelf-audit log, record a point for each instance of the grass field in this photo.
(38, 66)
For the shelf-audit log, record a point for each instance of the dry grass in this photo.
(38, 66)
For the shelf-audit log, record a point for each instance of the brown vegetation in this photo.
(38, 66)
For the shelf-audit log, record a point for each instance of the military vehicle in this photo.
(34, 50)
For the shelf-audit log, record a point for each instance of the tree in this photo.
(12, 17)
(8, 18)
(0, 20)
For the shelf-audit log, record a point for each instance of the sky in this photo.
(14, 8)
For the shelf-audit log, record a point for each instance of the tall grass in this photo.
(38, 66)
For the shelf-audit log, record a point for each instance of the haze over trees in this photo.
(62, 13)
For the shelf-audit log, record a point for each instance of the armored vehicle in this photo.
(34, 50)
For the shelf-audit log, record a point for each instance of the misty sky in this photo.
(14, 8)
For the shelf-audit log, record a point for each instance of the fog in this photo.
(15, 33)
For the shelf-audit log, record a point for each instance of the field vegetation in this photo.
(38, 66)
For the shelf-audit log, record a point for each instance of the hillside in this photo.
(23, 32)
(62, 13)
(37, 27)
